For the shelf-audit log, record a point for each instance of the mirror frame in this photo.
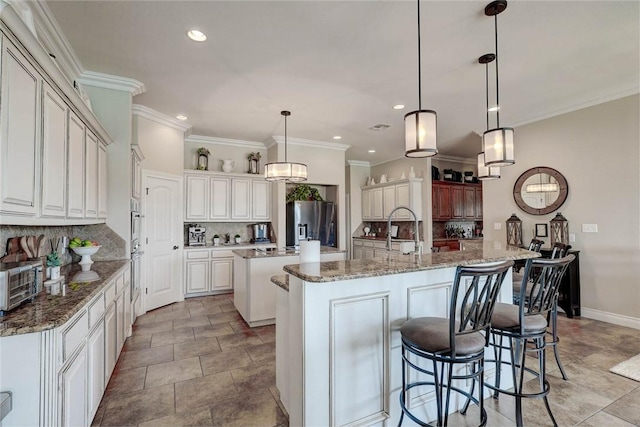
(562, 196)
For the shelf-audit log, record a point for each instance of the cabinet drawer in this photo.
(110, 293)
(221, 254)
(368, 244)
(74, 335)
(191, 254)
(96, 310)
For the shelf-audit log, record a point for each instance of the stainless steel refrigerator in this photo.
(312, 221)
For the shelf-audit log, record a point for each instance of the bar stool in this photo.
(526, 323)
(460, 338)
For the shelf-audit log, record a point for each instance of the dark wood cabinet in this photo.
(470, 202)
(478, 202)
(454, 245)
(456, 201)
(441, 198)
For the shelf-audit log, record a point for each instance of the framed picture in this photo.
(541, 230)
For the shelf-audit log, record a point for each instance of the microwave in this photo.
(19, 281)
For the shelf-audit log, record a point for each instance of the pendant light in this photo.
(497, 143)
(420, 125)
(486, 172)
(285, 171)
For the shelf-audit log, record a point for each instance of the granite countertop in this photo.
(280, 252)
(230, 246)
(281, 281)
(383, 238)
(442, 239)
(50, 311)
(386, 265)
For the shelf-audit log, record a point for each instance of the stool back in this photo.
(559, 250)
(544, 275)
(535, 245)
(473, 301)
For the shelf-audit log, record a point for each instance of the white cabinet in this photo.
(379, 200)
(136, 172)
(212, 196)
(75, 167)
(91, 176)
(110, 328)
(368, 248)
(197, 275)
(208, 271)
(222, 274)
(260, 200)
(54, 154)
(119, 323)
(73, 381)
(20, 130)
(102, 180)
(95, 368)
(219, 208)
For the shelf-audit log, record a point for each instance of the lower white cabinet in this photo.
(73, 390)
(119, 323)
(367, 248)
(197, 276)
(109, 341)
(208, 271)
(96, 365)
(222, 274)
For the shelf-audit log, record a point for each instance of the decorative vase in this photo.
(228, 165)
(412, 173)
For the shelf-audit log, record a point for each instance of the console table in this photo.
(569, 297)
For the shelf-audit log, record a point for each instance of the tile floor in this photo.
(197, 363)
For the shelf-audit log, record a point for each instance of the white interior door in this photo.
(162, 223)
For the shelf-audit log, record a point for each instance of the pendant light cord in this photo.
(285, 139)
(497, 80)
(419, 64)
(486, 89)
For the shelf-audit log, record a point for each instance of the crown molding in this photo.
(155, 116)
(464, 160)
(358, 163)
(136, 148)
(273, 140)
(109, 81)
(200, 139)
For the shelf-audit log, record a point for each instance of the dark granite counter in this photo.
(257, 253)
(281, 281)
(389, 264)
(49, 311)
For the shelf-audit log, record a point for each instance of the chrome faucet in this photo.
(416, 234)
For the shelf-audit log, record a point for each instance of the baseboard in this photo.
(616, 319)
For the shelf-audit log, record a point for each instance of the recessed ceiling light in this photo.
(337, 137)
(181, 117)
(372, 151)
(196, 36)
(494, 108)
(398, 106)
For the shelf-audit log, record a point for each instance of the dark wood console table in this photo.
(569, 297)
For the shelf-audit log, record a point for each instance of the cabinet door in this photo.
(478, 203)
(260, 200)
(102, 180)
(110, 326)
(119, 323)
(240, 199)
(389, 200)
(91, 175)
(369, 253)
(457, 202)
(403, 199)
(54, 154)
(469, 202)
(95, 371)
(358, 252)
(74, 393)
(444, 202)
(220, 198)
(136, 176)
(19, 139)
(197, 194)
(127, 310)
(197, 276)
(75, 167)
(377, 210)
(366, 205)
(222, 274)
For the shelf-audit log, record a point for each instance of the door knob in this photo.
(176, 247)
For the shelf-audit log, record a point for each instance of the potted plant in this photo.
(237, 237)
(216, 240)
(53, 265)
(304, 192)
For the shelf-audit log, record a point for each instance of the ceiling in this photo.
(340, 66)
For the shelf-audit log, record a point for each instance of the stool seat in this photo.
(507, 316)
(432, 334)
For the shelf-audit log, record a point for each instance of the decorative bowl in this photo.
(85, 252)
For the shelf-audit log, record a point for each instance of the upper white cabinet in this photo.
(51, 171)
(136, 172)
(211, 196)
(75, 167)
(20, 127)
(379, 200)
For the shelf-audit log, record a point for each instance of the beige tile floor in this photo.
(197, 363)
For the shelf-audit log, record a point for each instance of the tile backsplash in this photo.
(244, 229)
(112, 245)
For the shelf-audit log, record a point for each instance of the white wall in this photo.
(597, 149)
(162, 146)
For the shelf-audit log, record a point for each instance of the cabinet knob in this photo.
(176, 247)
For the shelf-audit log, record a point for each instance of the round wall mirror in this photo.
(540, 190)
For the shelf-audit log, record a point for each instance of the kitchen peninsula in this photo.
(338, 348)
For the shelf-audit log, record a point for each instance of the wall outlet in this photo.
(572, 238)
(497, 226)
(589, 228)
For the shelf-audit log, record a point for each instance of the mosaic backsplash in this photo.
(405, 228)
(244, 229)
(113, 247)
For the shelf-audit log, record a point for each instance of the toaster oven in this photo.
(19, 281)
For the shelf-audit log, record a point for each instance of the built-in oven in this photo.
(135, 221)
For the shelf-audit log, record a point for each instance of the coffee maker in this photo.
(261, 233)
(197, 236)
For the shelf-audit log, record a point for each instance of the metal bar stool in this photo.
(460, 338)
(526, 323)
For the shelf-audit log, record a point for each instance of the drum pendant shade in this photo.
(285, 171)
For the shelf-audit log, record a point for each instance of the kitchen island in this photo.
(338, 346)
(254, 296)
